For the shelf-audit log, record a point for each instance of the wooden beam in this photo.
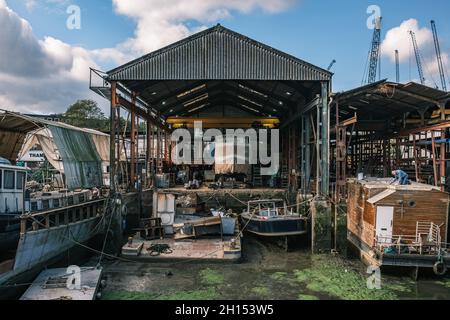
(350, 121)
(436, 127)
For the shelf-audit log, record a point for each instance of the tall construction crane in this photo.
(438, 55)
(375, 51)
(397, 67)
(418, 59)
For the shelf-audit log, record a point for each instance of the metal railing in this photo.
(61, 216)
(426, 241)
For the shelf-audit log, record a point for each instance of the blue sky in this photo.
(317, 31)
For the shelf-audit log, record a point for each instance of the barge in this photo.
(399, 225)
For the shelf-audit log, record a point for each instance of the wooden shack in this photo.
(385, 220)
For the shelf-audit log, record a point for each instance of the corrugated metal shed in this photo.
(221, 54)
(384, 99)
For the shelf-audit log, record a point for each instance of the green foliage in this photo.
(86, 114)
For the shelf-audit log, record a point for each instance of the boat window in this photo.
(20, 179)
(1, 180)
(268, 213)
(8, 180)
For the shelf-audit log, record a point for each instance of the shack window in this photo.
(9, 180)
(20, 180)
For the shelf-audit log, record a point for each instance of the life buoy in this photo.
(439, 268)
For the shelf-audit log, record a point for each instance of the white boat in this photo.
(12, 204)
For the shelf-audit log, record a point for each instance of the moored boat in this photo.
(264, 218)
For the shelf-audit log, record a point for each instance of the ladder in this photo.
(256, 176)
(284, 176)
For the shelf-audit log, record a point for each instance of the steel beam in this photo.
(112, 138)
(325, 141)
(133, 144)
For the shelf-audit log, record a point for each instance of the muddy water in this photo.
(266, 272)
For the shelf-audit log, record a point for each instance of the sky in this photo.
(48, 46)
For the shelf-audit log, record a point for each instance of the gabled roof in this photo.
(218, 54)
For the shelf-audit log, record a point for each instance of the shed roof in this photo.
(384, 100)
(218, 53)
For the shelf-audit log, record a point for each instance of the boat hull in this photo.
(279, 227)
(44, 247)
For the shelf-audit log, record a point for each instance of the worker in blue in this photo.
(401, 177)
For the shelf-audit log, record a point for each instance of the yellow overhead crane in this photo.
(227, 123)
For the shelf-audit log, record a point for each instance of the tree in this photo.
(86, 114)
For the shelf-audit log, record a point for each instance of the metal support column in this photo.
(443, 154)
(325, 141)
(148, 153)
(133, 144)
(112, 139)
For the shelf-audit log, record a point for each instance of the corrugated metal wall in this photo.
(82, 163)
(221, 54)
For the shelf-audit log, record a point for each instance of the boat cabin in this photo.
(12, 184)
(388, 219)
(267, 208)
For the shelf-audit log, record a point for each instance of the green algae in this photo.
(398, 287)
(211, 277)
(128, 295)
(261, 291)
(278, 276)
(331, 275)
(444, 283)
(202, 294)
(307, 297)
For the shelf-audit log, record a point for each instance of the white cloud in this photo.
(399, 38)
(161, 22)
(39, 76)
(43, 76)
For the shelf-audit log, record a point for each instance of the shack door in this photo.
(385, 217)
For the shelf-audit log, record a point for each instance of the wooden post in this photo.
(321, 228)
